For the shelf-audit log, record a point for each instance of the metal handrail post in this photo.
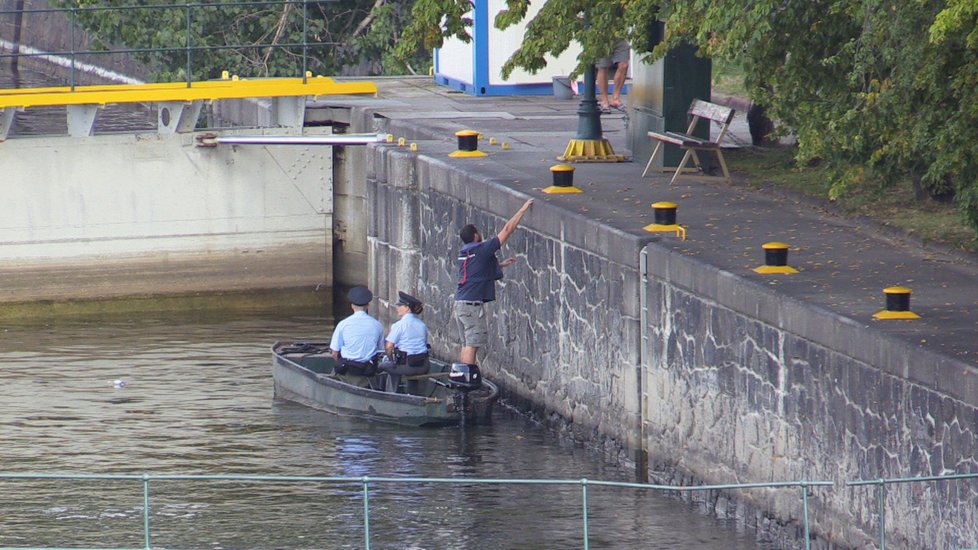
(305, 40)
(189, 74)
(804, 510)
(366, 513)
(71, 48)
(882, 503)
(18, 26)
(584, 505)
(146, 539)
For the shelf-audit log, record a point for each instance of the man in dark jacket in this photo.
(478, 271)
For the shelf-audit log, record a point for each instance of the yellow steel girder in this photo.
(179, 91)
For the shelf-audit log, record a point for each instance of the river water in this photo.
(192, 394)
(197, 399)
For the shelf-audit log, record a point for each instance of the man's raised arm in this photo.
(513, 222)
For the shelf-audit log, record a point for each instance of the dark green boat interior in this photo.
(316, 358)
(319, 364)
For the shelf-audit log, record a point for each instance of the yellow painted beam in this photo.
(178, 91)
(98, 88)
(355, 87)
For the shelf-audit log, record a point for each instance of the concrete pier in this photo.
(112, 216)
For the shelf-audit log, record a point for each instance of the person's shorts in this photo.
(621, 54)
(473, 327)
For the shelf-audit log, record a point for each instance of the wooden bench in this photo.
(698, 110)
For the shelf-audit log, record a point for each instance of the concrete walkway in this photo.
(844, 264)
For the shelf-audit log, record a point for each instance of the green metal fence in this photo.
(366, 483)
(881, 485)
(188, 46)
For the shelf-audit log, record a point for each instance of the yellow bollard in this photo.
(665, 219)
(897, 304)
(468, 145)
(775, 260)
(563, 180)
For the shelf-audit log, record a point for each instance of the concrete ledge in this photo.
(838, 333)
(294, 266)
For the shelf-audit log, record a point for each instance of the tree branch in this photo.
(279, 31)
(368, 19)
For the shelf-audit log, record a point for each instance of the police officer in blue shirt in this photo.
(407, 343)
(358, 339)
(478, 271)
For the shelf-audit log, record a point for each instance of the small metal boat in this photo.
(448, 394)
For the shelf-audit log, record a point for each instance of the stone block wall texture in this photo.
(564, 330)
(743, 384)
(747, 385)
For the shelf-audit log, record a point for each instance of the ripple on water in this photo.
(198, 400)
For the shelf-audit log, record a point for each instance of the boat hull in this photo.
(305, 378)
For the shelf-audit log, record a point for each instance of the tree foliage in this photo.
(596, 25)
(879, 90)
(251, 38)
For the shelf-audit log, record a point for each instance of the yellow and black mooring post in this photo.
(563, 180)
(468, 145)
(775, 259)
(665, 219)
(897, 304)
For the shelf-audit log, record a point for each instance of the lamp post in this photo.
(589, 144)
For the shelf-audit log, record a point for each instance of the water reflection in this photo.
(198, 400)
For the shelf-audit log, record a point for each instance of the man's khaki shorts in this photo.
(473, 327)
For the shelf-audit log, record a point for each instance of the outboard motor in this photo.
(464, 377)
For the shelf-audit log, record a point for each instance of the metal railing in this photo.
(189, 47)
(366, 482)
(881, 492)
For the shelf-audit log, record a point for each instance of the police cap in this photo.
(360, 295)
(404, 299)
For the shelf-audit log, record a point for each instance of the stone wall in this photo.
(747, 385)
(564, 330)
(741, 384)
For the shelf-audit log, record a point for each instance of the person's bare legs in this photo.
(467, 355)
(620, 75)
(601, 81)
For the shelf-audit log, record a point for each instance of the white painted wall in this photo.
(455, 58)
(503, 43)
(109, 196)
